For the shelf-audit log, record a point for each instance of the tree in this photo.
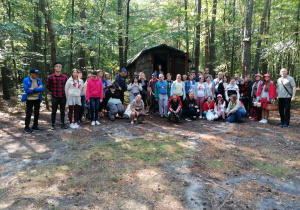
(197, 37)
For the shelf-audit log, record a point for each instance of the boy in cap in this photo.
(33, 88)
(151, 87)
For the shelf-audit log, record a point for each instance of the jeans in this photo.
(190, 112)
(285, 110)
(81, 109)
(163, 104)
(94, 106)
(115, 109)
(237, 116)
(172, 114)
(61, 101)
(29, 105)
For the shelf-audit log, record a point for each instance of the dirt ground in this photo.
(156, 165)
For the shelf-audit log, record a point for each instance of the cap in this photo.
(267, 75)
(193, 71)
(257, 75)
(124, 70)
(154, 74)
(219, 96)
(112, 86)
(34, 71)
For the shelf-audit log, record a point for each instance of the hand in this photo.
(156, 99)
(137, 114)
(101, 101)
(120, 88)
(196, 107)
(135, 85)
(31, 89)
(40, 86)
(293, 99)
(87, 101)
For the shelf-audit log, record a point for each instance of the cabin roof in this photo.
(134, 58)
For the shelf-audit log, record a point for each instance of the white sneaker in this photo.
(132, 122)
(200, 117)
(75, 125)
(93, 123)
(250, 117)
(194, 117)
(188, 119)
(97, 122)
(265, 121)
(71, 125)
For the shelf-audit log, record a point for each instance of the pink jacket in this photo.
(94, 89)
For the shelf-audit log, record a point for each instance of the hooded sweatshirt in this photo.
(94, 89)
(73, 87)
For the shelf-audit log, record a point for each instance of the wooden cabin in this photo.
(172, 61)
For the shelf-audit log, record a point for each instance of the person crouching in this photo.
(175, 108)
(190, 108)
(235, 109)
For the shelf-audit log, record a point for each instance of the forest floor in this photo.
(156, 165)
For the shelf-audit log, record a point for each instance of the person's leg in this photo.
(76, 109)
(81, 109)
(71, 108)
(202, 99)
(151, 104)
(161, 104)
(144, 96)
(36, 106)
(165, 104)
(122, 96)
(120, 109)
(281, 103)
(54, 109)
(222, 113)
(29, 106)
(266, 114)
(92, 108)
(132, 116)
(97, 104)
(62, 107)
(112, 111)
(232, 117)
(287, 111)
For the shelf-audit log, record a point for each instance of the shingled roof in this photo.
(132, 60)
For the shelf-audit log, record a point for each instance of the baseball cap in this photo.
(123, 70)
(154, 74)
(34, 71)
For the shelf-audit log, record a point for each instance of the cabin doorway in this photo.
(162, 59)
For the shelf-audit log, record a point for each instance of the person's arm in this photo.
(169, 106)
(172, 88)
(236, 107)
(26, 87)
(140, 86)
(67, 87)
(130, 86)
(213, 89)
(184, 93)
(238, 94)
(205, 107)
(156, 92)
(40, 87)
(226, 94)
(101, 91)
(49, 83)
(294, 94)
(88, 88)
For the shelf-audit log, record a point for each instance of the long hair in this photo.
(267, 83)
(132, 80)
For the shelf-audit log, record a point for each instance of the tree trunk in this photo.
(261, 32)
(120, 41)
(186, 27)
(72, 38)
(127, 33)
(233, 42)
(294, 55)
(37, 40)
(82, 60)
(197, 41)
(206, 30)
(50, 31)
(5, 82)
(247, 39)
(212, 47)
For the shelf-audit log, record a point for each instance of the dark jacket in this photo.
(120, 81)
(188, 103)
(109, 95)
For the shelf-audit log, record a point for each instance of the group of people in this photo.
(199, 96)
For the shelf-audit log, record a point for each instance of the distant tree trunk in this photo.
(186, 26)
(197, 41)
(225, 34)
(82, 60)
(261, 31)
(247, 39)
(120, 41)
(233, 42)
(5, 82)
(212, 47)
(37, 40)
(50, 31)
(72, 37)
(127, 33)
(206, 30)
(294, 54)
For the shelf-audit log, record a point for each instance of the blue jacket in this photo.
(189, 87)
(27, 82)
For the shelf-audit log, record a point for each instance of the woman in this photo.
(184, 78)
(138, 112)
(232, 89)
(144, 82)
(73, 90)
(235, 109)
(107, 81)
(200, 94)
(220, 107)
(100, 76)
(209, 105)
(267, 94)
(178, 88)
(222, 86)
(255, 112)
(134, 87)
(94, 95)
(210, 90)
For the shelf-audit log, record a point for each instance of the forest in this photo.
(233, 36)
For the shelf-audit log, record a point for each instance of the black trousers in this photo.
(122, 96)
(61, 101)
(153, 104)
(285, 110)
(30, 104)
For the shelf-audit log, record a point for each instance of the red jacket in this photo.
(272, 91)
(170, 104)
(206, 108)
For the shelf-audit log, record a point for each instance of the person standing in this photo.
(200, 94)
(151, 87)
(206, 73)
(178, 88)
(286, 90)
(134, 88)
(190, 84)
(33, 89)
(170, 82)
(249, 83)
(222, 86)
(217, 82)
(255, 112)
(210, 89)
(120, 83)
(161, 96)
(144, 82)
(244, 93)
(82, 97)
(94, 95)
(56, 85)
(232, 89)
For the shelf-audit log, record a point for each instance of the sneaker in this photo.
(71, 125)
(28, 130)
(161, 116)
(253, 119)
(261, 121)
(76, 125)
(53, 127)
(194, 117)
(93, 123)
(200, 117)
(132, 122)
(64, 126)
(36, 129)
(188, 119)
(250, 117)
(166, 116)
(280, 124)
(97, 122)
(285, 126)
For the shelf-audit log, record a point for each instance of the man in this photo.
(81, 109)
(237, 78)
(286, 90)
(244, 90)
(217, 81)
(190, 84)
(207, 74)
(120, 83)
(175, 108)
(56, 85)
(249, 83)
(170, 82)
(33, 89)
(190, 108)
(113, 103)
(193, 72)
(161, 96)
(151, 88)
